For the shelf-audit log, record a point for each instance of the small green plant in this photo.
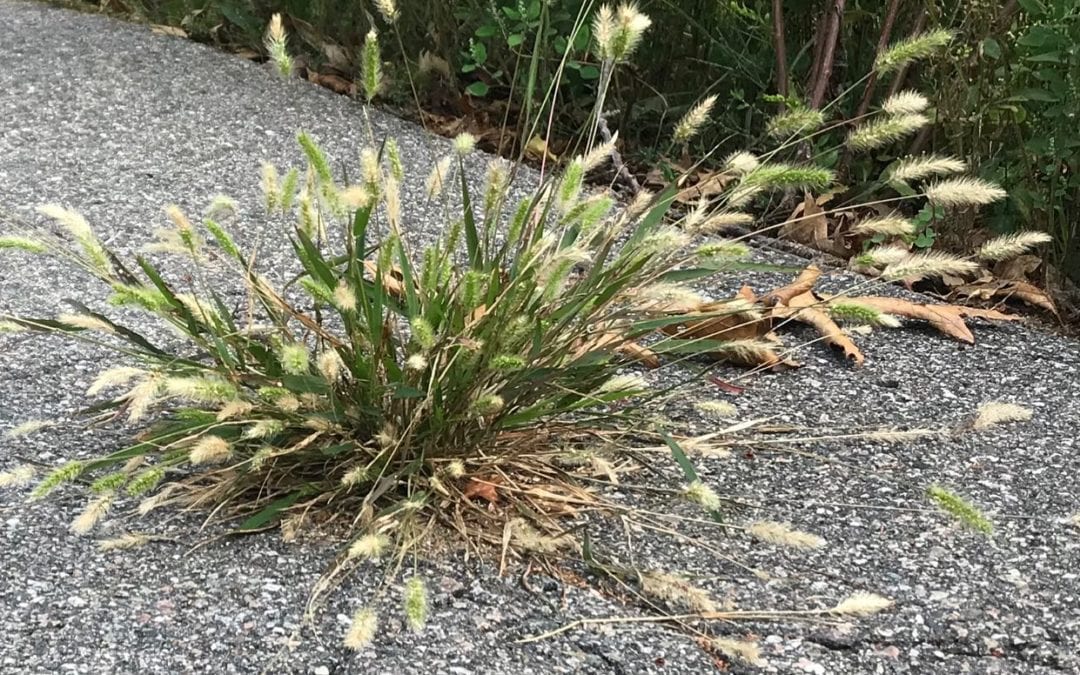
(959, 508)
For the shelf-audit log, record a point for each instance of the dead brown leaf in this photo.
(948, 319)
(335, 83)
(807, 224)
(485, 489)
(803, 308)
(707, 184)
(803, 283)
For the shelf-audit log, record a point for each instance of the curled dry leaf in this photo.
(807, 224)
(802, 308)
(484, 488)
(948, 319)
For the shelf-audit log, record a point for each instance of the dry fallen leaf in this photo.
(948, 319)
(803, 308)
(483, 488)
(807, 224)
(335, 83)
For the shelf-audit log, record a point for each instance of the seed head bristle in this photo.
(693, 120)
(891, 226)
(885, 130)
(862, 604)
(997, 412)
(911, 49)
(905, 102)
(928, 264)
(747, 651)
(676, 590)
(17, 477)
(796, 122)
(955, 192)
(416, 603)
(369, 546)
(1011, 245)
(741, 162)
(717, 409)
(782, 534)
(362, 629)
(702, 494)
(925, 166)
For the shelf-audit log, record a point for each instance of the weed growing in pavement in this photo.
(394, 384)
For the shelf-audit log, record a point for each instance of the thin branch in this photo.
(780, 44)
(828, 53)
(901, 74)
(882, 45)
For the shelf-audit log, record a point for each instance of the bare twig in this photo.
(780, 44)
(882, 45)
(621, 172)
(824, 68)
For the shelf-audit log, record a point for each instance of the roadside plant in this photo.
(392, 381)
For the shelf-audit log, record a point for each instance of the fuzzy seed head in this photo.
(201, 389)
(369, 546)
(438, 177)
(883, 131)
(387, 9)
(891, 226)
(464, 144)
(416, 603)
(693, 120)
(28, 427)
(741, 162)
(925, 166)
(702, 494)
(294, 358)
(124, 542)
(619, 32)
(796, 122)
(723, 249)
(955, 192)
(624, 384)
(599, 154)
(365, 623)
(928, 264)
(677, 590)
(782, 534)
(959, 508)
(330, 365)
(997, 412)
(371, 66)
(1011, 245)
(275, 42)
(22, 243)
(862, 604)
(114, 377)
(210, 450)
(416, 362)
(911, 49)
(488, 404)
(717, 409)
(722, 221)
(17, 477)
(344, 297)
(905, 102)
(92, 515)
(881, 256)
(747, 651)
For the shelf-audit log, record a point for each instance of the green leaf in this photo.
(515, 39)
(270, 512)
(589, 73)
(478, 89)
(487, 30)
(991, 48)
(680, 458)
(472, 236)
